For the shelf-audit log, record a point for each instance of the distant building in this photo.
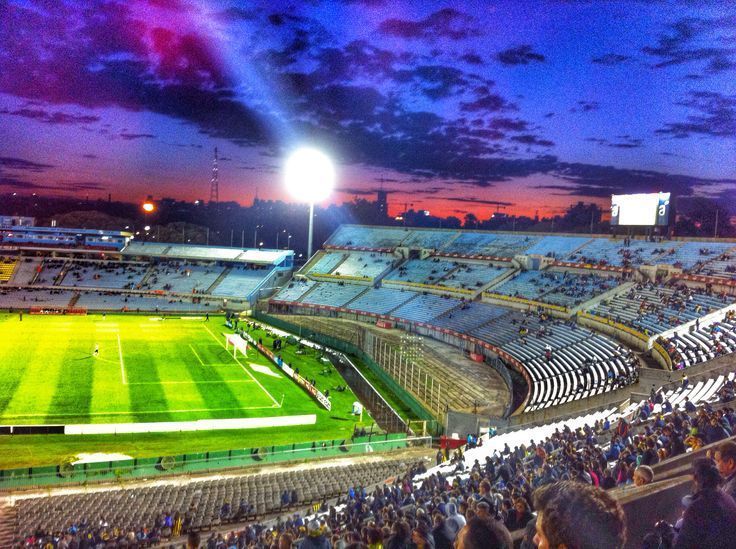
(7, 221)
(382, 203)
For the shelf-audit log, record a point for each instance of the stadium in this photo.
(367, 275)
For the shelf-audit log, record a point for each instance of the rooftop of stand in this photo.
(206, 253)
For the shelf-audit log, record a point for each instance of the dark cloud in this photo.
(434, 81)
(486, 101)
(529, 139)
(474, 200)
(11, 163)
(90, 156)
(512, 124)
(52, 117)
(611, 59)
(471, 58)
(131, 136)
(239, 14)
(445, 23)
(520, 55)
(586, 106)
(716, 116)
(622, 142)
(691, 40)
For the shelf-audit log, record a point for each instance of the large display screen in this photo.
(640, 209)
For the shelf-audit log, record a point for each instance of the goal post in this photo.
(237, 343)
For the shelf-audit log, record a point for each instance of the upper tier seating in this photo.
(381, 300)
(417, 271)
(182, 277)
(25, 271)
(294, 290)
(469, 243)
(332, 294)
(558, 247)
(691, 255)
(97, 274)
(424, 308)
(472, 276)
(348, 236)
(558, 288)
(604, 251)
(50, 270)
(327, 263)
(241, 281)
(366, 265)
(654, 309)
(428, 239)
(724, 266)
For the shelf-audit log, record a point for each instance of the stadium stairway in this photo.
(217, 281)
(588, 305)
(8, 522)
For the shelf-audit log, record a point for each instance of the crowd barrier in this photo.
(139, 468)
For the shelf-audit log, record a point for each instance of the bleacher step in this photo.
(219, 279)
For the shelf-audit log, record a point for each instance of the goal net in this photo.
(237, 343)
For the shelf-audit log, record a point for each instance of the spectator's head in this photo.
(521, 505)
(643, 475)
(574, 515)
(483, 510)
(485, 487)
(286, 541)
(193, 540)
(420, 536)
(705, 474)
(725, 458)
(483, 534)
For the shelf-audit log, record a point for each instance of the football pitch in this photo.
(120, 369)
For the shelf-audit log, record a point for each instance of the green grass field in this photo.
(149, 370)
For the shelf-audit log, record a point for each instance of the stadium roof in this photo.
(206, 253)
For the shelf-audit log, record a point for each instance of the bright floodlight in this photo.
(148, 207)
(309, 175)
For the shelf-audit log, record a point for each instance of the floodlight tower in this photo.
(215, 181)
(309, 176)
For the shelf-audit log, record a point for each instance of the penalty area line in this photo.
(195, 354)
(276, 403)
(122, 364)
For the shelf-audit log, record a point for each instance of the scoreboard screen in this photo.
(640, 209)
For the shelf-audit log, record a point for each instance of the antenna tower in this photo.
(215, 183)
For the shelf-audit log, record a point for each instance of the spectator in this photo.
(484, 534)
(643, 475)
(725, 458)
(520, 516)
(315, 537)
(710, 518)
(574, 515)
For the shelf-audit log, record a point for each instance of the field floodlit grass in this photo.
(149, 370)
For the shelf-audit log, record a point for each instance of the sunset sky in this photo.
(448, 105)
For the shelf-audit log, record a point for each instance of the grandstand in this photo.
(470, 331)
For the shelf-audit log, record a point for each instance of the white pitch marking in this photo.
(244, 368)
(195, 354)
(122, 364)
